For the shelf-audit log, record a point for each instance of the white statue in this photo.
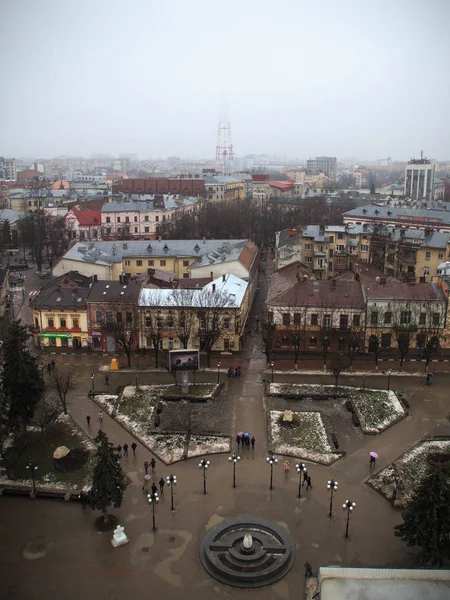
(119, 536)
(248, 541)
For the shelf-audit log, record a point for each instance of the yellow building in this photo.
(60, 313)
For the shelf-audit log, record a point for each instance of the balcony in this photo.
(319, 254)
(61, 330)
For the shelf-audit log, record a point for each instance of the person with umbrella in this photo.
(239, 438)
(373, 458)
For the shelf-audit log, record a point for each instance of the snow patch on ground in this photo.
(408, 470)
(208, 444)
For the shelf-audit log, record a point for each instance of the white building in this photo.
(419, 179)
(8, 168)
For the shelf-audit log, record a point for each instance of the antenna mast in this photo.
(224, 148)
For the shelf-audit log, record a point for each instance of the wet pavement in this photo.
(50, 549)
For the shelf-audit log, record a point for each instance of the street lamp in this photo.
(272, 461)
(153, 499)
(301, 468)
(218, 372)
(348, 506)
(204, 464)
(332, 486)
(234, 459)
(272, 364)
(389, 379)
(32, 467)
(171, 481)
(93, 382)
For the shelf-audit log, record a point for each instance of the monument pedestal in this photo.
(184, 382)
(119, 537)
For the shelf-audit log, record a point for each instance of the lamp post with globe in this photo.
(153, 499)
(332, 486)
(204, 464)
(171, 481)
(234, 459)
(301, 468)
(272, 461)
(349, 507)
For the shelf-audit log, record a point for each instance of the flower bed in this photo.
(208, 444)
(308, 440)
(169, 447)
(409, 469)
(376, 409)
(39, 450)
(198, 392)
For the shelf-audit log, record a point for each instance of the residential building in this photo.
(142, 218)
(84, 223)
(414, 217)
(184, 186)
(212, 317)
(323, 164)
(8, 168)
(215, 189)
(182, 258)
(361, 177)
(60, 313)
(419, 179)
(112, 309)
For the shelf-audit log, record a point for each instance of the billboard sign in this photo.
(184, 360)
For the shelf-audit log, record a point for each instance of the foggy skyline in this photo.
(301, 78)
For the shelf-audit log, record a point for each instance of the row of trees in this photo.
(190, 315)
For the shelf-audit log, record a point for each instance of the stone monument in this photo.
(119, 537)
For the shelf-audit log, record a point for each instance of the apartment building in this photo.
(8, 168)
(323, 164)
(419, 179)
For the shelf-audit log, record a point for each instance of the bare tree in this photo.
(296, 330)
(121, 324)
(64, 382)
(326, 322)
(268, 328)
(338, 364)
(47, 412)
(210, 305)
(184, 317)
(153, 325)
(404, 324)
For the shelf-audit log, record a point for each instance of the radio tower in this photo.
(224, 148)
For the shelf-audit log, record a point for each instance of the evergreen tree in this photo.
(108, 482)
(426, 518)
(22, 382)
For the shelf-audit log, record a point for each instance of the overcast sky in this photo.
(348, 78)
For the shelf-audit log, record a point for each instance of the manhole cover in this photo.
(247, 552)
(145, 549)
(172, 539)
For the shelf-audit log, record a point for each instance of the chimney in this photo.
(224, 277)
(95, 277)
(213, 287)
(211, 274)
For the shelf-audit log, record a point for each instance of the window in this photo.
(364, 248)
(108, 231)
(330, 266)
(169, 321)
(307, 246)
(313, 342)
(136, 230)
(51, 323)
(308, 259)
(148, 321)
(314, 319)
(340, 248)
(185, 263)
(127, 219)
(428, 256)
(118, 219)
(109, 317)
(426, 270)
(330, 253)
(75, 323)
(327, 321)
(405, 317)
(162, 263)
(146, 218)
(159, 323)
(387, 317)
(146, 229)
(127, 263)
(139, 263)
(185, 275)
(108, 219)
(150, 263)
(119, 317)
(135, 219)
(385, 341)
(157, 218)
(440, 256)
(343, 322)
(129, 317)
(51, 341)
(62, 323)
(356, 320)
(226, 323)
(36, 322)
(436, 319)
(340, 236)
(64, 342)
(297, 318)
(98, 316)
(374, 317)
(286, 319)
(422, 318)
(421, 339)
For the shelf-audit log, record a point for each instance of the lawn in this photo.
(409, 469)
(308, 440)
(39, 450)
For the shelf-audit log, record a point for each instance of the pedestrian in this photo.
(308, 569)
(305, 478)
(83, 499)
(247, 441)
(230, 372)
(287, 466)
(308, 481)
(119, 451)
(153, 463)
(88, 420)
(107, 380)
(125, 449)
(239, 371)
(53, 365)
(49, 368)
(236, 372)
(372, 461)
(238, 440)
(154, 489)
(133, 447)
(147, 479)
(100, 416)
(146, 466)
(252, 441)
(161, 486)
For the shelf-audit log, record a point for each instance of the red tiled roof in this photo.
(284, 186)
(394, 290)
(28, 174)
(86, 217)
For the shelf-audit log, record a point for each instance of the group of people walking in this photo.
(123, 450)
(245, 440)
(234, 372)
(147, 479)
(306, 477)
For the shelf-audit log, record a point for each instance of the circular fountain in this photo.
(247, 552)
